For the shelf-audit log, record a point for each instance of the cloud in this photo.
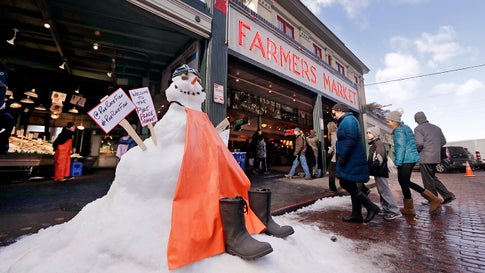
(352, 7)
(397, 66)
(441, 47)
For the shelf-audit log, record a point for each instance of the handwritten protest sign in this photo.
(142, 99)
(144, 105)
(112, 110)
(109, 112)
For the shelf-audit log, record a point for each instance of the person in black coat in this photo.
(377, 161)
(6, 122)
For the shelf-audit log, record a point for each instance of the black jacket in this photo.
(65, 135)
(377, 159)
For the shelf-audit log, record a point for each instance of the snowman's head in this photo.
(186, 88)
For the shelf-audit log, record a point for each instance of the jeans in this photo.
(386, 198)
(300, 160)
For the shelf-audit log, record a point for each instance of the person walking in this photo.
(313, 143)
(253, 150)
(299, 153)
(261, 155)
(7, 121)
(352, 163)
(332, 136)
(429, 139)
(62, 146)
(377, 161)
(405, 157)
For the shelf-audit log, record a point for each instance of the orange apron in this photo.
(208, 173)
(62, 160)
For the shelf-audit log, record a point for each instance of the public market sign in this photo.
(112, 110)
(262, 46)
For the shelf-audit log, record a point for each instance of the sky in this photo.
(399, 39)
(127, 230)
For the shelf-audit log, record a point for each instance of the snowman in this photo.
(185, 199)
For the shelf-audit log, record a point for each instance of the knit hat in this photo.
(374, 131)
(420, 117)
(341, 107)
(394, 116)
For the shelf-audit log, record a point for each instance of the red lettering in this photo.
(285, 58)
(242, 26)
(304, 69)
(258, 44)
(314, 74)
(272, 50)
(296, 58)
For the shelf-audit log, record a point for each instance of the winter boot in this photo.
(238, 242)
(434, 201)
(372, 209)
(260, 203)
(408, 207)
(356, 216)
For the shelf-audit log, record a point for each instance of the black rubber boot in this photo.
(356, 216)
(260, 203)
(238, 242)
(372, 209)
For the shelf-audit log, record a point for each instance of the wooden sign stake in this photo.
(131, 132)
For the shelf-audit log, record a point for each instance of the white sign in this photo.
(218, 93)
(265, 48)
(144, 105)
(112, 110)
(78, 100)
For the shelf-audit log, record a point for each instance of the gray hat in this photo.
(420, 117)
(341, 107)
(374, 131)
(394, 116)
(297, 129)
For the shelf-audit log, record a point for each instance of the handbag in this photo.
(391, 166)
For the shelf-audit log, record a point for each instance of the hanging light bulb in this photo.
(73, 110)
(31, 93)
(40, 107)
(47, 25)
(55, 116)
(27, 100)
(95, 46)
(12, 41)
(15, 105)
(63, 65)
(109, 74)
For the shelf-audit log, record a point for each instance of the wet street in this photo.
(452, 240)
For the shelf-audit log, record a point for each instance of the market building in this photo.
(265, 64)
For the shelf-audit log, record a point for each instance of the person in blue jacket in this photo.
(351, 165)
(405, 157)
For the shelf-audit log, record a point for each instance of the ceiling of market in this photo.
(134, 45)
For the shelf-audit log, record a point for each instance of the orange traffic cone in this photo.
(469, 171)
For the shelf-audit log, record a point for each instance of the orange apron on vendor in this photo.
(208, 173)
(62, 159)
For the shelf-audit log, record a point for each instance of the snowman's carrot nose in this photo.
(194, 80)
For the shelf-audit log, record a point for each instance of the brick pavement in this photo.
(451, 240)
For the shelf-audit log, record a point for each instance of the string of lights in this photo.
(426, 75)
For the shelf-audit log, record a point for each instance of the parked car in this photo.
(453, 158)
(474, 163)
